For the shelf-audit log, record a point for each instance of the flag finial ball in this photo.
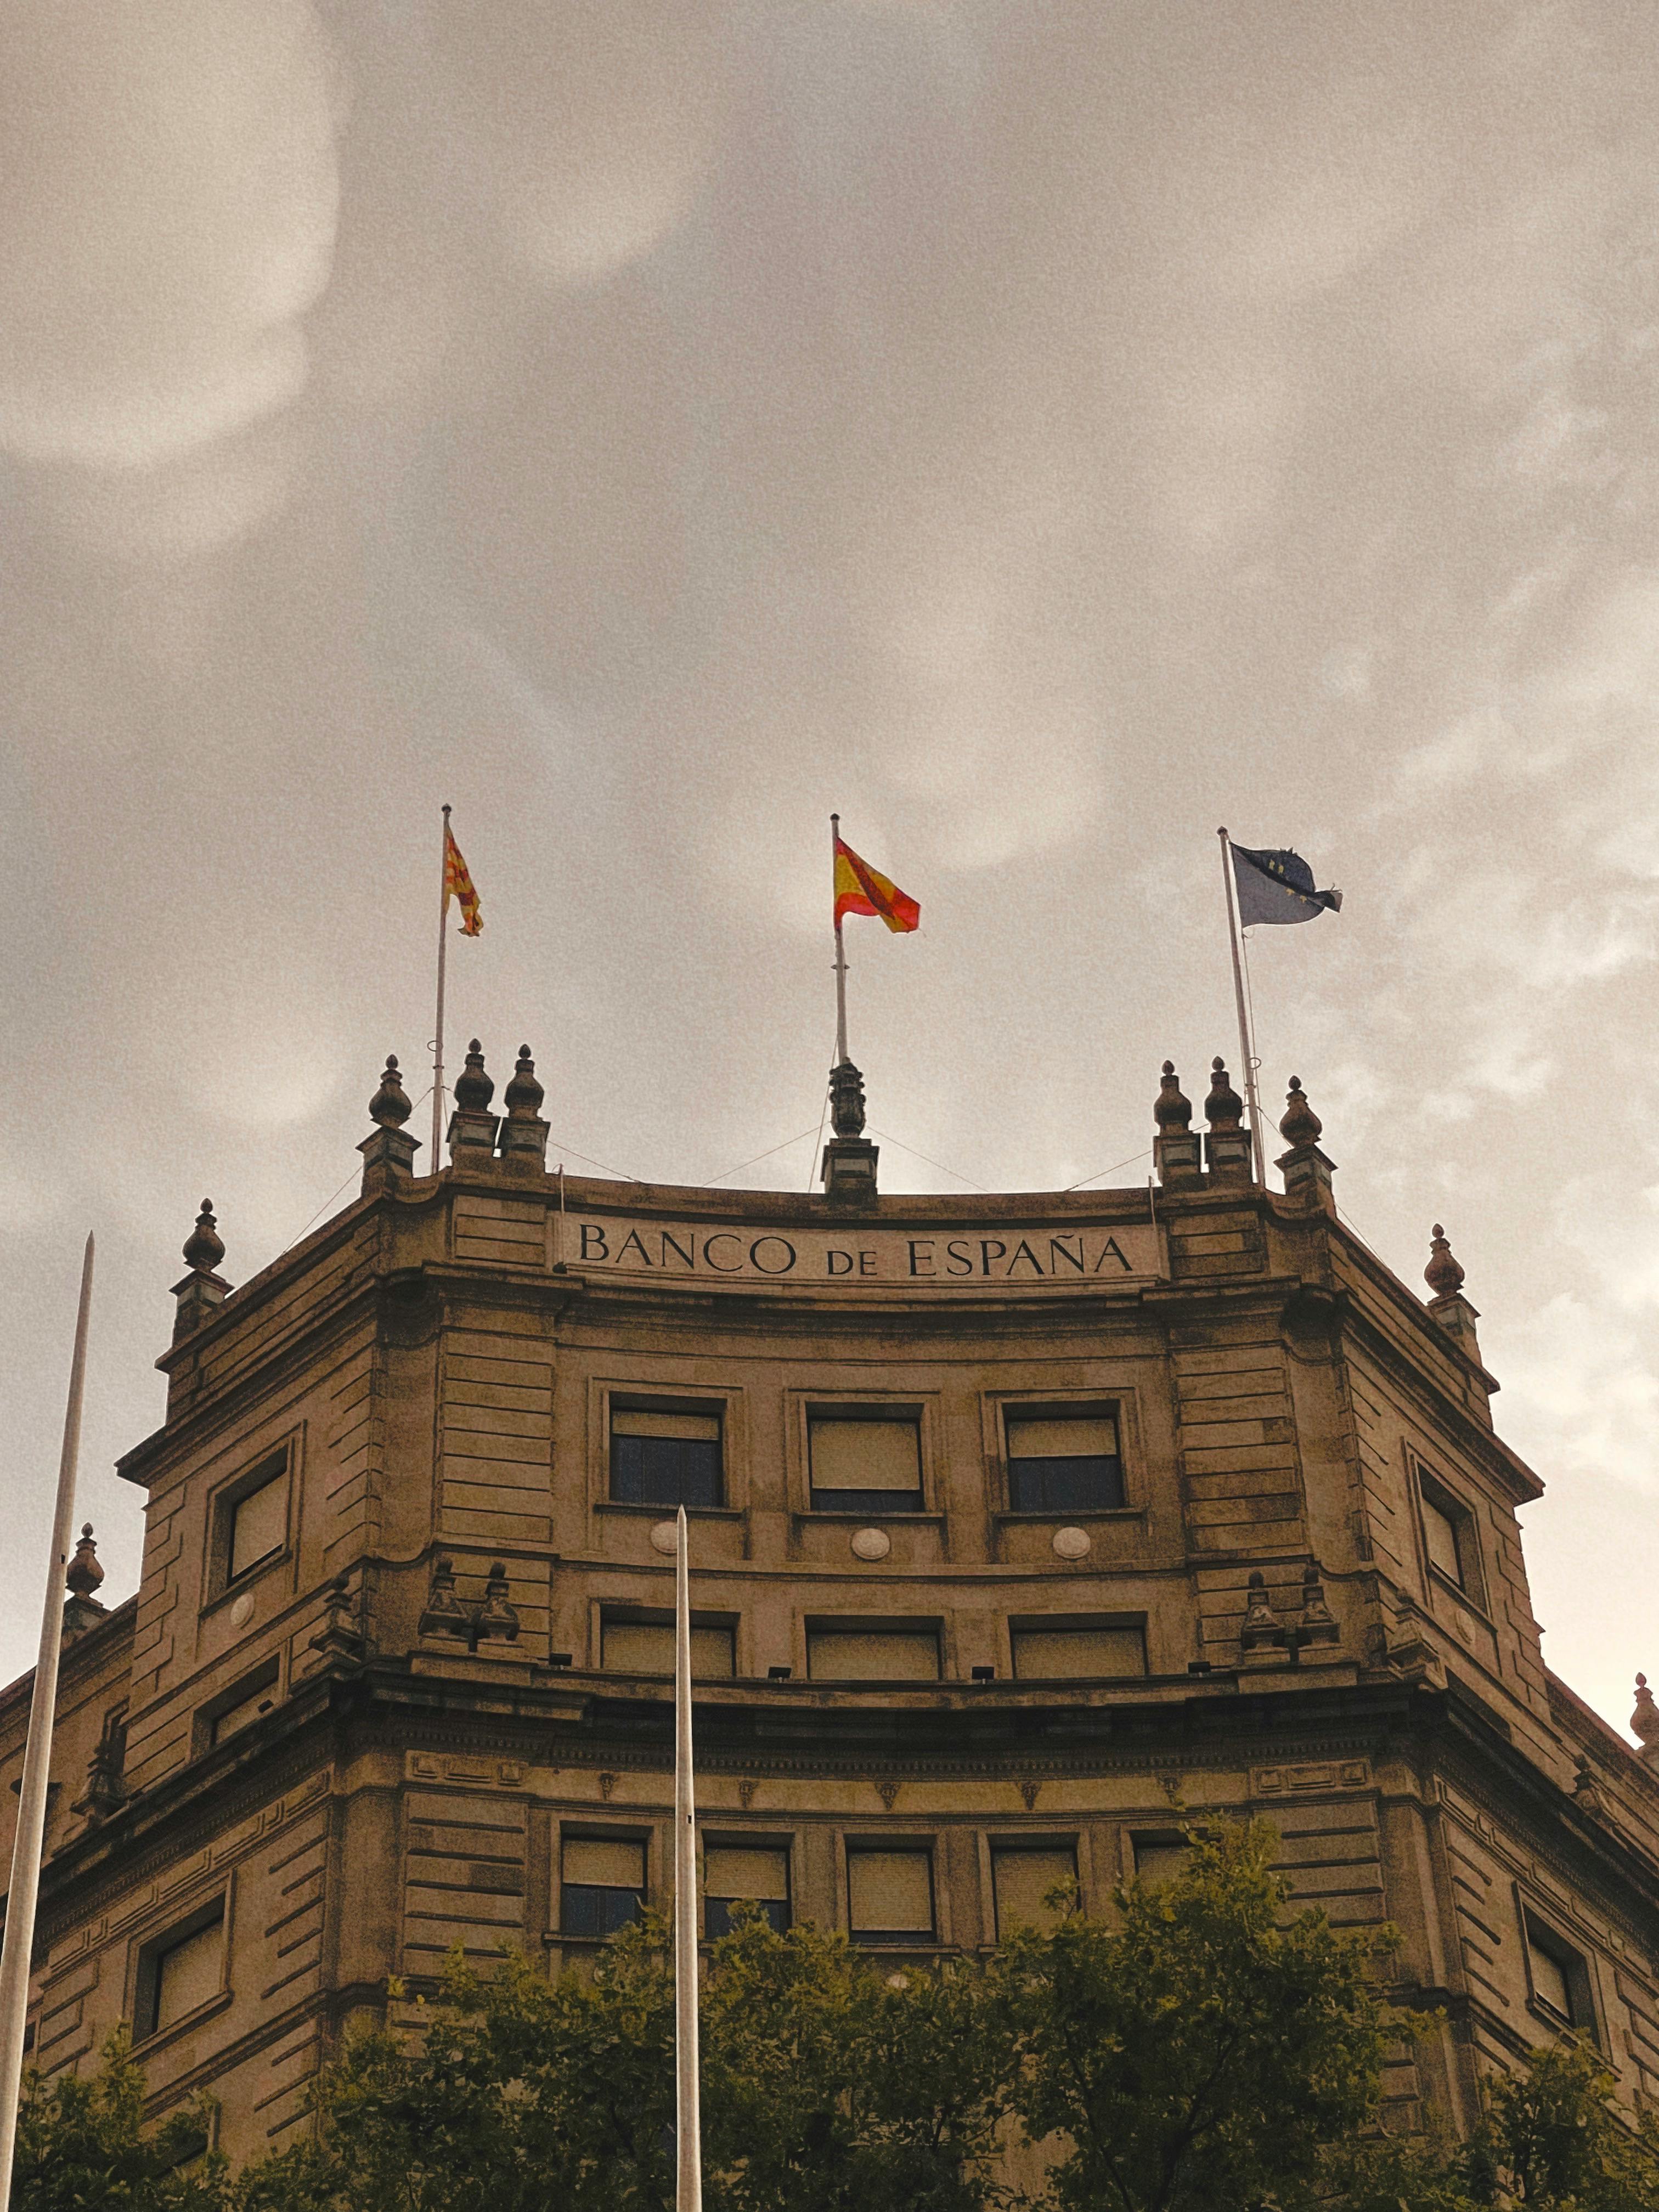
(1442, 1274)
(1300, 1125)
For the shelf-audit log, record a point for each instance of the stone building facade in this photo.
(1025, 1531)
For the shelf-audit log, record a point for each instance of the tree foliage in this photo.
(1551, 2141)
(827, 2086)
(1203, 2052)
(1205, 2047)
(83, 2146)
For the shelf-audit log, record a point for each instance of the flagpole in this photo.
(23, 1895)
(438, 1041)
(840, 951)
(688, 2124)
(1245, 1042)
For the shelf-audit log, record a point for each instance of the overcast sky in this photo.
(1043, 430)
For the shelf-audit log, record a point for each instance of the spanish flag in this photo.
(458, 885)
(860, 888)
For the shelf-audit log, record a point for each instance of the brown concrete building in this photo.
(1024, 1529)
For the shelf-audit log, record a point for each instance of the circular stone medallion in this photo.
(666, 1537)
(872, 1544)
(1071, 1543)
(242, 1612)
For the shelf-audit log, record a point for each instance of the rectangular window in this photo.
(1558, 1975)
(258, 1528)
(660, 1457)
(601, 1884)
(851, 1654)
(1022, 1876)
(253, 1695)
(181, 1970)
(1063, 1462)
(1443, 1538)
(889, 1895)
(749, 1873)
(646, 1647)
(1067, 1651)
(1159, 1858)
(872, 1467)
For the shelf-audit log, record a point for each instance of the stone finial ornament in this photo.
(1228, 1146)
(389, 1108)
(846, 1100)
(523, 1132)
(1177, 1151)
(1300, 1124)
(1586, 1791)
(523, 1095)
(474, 1089)
(849, 1159)
(1261, 1630)
(106, 1788)
(85, 1572)
(1442, 1274)
(1644, 1721)
(1318, 1624)
(443, 1613)
(204, 1247)
(388, 1153)
(496, 1616)
(203, 1291)
(1172, 1109)
(1224, 1110)
(81, 1608)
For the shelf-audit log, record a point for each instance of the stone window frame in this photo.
(677, 1395)
(578, 1827)
(1160, 1833)
(1025, 1624)
(807, 1625)
(747, 1839)
(622, 1610)
(1039, 1836)
(1429, 1487)
(145, 1949)
(267, 1673)
(1576, 1961)
(849, 1841)
(1121, 1397)
(278, 1462)
(828, 1402)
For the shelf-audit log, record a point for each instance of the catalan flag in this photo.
(458, 885)
(860, 888)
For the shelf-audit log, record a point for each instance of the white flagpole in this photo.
(437, 1040)
(841, 952)
(1245, 1042)
(24, 1893)
(688, 2122)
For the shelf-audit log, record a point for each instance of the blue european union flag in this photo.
(1277, 887)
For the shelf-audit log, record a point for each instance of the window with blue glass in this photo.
(1064, 1460)
(662, 1455)
(602, 1884)
(744, 1874)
